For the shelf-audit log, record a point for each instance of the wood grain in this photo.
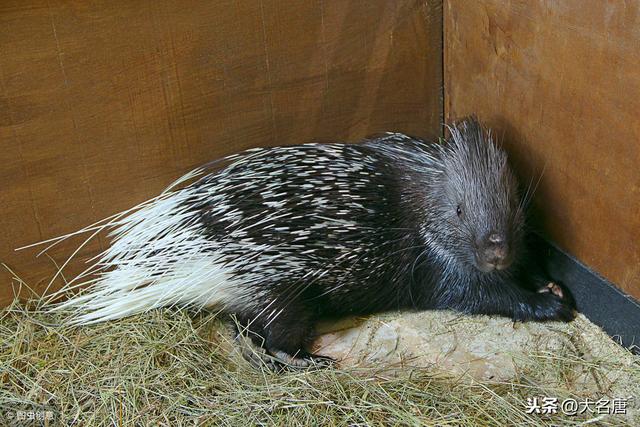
(103, 103)
(561, 81)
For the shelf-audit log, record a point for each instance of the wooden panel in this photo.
(103, 103)
(561, 80)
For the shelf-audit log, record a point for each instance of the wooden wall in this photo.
(562, 80)
(103, 103)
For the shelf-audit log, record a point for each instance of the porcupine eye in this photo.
(459, 211)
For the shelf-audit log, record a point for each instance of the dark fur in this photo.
(410, 228)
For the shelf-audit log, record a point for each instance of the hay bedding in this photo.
(174, 368)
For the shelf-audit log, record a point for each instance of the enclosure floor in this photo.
(172, 368)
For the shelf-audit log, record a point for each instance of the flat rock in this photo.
(482, 346)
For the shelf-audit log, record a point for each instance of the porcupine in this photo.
(279, 237)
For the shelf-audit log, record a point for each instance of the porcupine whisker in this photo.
(524, 200)
(535, 188)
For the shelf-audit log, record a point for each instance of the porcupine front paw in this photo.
(553, 288)
(559, 290)
(554, 302)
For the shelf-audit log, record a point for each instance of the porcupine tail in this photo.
(157, 257)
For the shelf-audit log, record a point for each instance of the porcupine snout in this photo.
(494, 252)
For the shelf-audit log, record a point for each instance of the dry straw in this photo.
(173, 368)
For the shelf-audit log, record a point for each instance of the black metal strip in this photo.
(598, 299)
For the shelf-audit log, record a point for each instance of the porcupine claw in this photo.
(279, 361)
(554, 288)
(563, 294)
(302, 360)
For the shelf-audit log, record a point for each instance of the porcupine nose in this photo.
(495, 249)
